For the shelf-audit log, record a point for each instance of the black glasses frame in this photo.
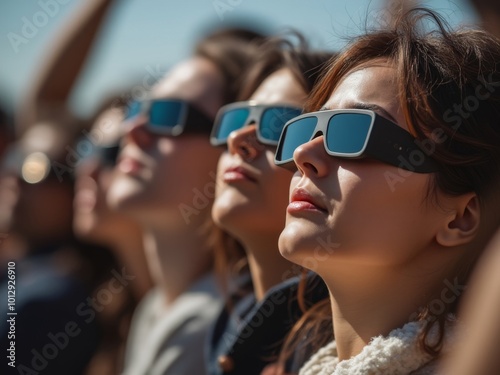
(384, 141)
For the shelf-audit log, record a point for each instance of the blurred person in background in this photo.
(489, 13)
(5, 139)
(55, 272)
(73, 285)
(164, 180)
(5, 132)
(479, 335)
(251, 197)
(63, 61)
(94, 221)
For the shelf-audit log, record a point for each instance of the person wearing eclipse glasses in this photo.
(61, 192)
(56, 272)
(386, 166)
(163, 179)
(249, 205)
(93, 220)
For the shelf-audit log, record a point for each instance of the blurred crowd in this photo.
(269, 208)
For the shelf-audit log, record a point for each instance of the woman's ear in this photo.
(462, 222)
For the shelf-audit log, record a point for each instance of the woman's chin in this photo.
(291, 244)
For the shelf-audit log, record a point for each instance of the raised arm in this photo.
(63, 62)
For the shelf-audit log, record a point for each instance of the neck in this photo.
(130, 252)
(267, 267)
(176, 259)
(368, 303)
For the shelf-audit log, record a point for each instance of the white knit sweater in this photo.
(398, 353)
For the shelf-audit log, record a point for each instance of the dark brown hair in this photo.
(449, 87)
(231, 50)
(280, 52)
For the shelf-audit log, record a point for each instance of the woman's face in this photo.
(167, 180)
(92, 216)
(344, 211)
(251, 190)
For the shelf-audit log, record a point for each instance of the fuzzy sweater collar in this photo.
(398, 353)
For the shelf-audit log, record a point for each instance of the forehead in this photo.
(107, 126)
(196, 80)
(189, 80)
(280, 87)
(374, 84)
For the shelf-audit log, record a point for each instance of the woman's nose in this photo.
(311, 157)
(89, 167)
(136, 131)
(244, 143)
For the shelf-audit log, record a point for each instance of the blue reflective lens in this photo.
(165, 114)
(133, 109)
(347, 133)
(273, 120)
(231, 121)
(294, 135)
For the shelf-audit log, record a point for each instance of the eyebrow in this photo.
(371, 107)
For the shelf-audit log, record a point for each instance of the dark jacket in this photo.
(250, 337)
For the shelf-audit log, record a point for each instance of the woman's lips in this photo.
(301, 200)
(85, 200)
(130, 165)
(234, 174)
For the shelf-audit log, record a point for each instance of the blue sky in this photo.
(142, 38)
